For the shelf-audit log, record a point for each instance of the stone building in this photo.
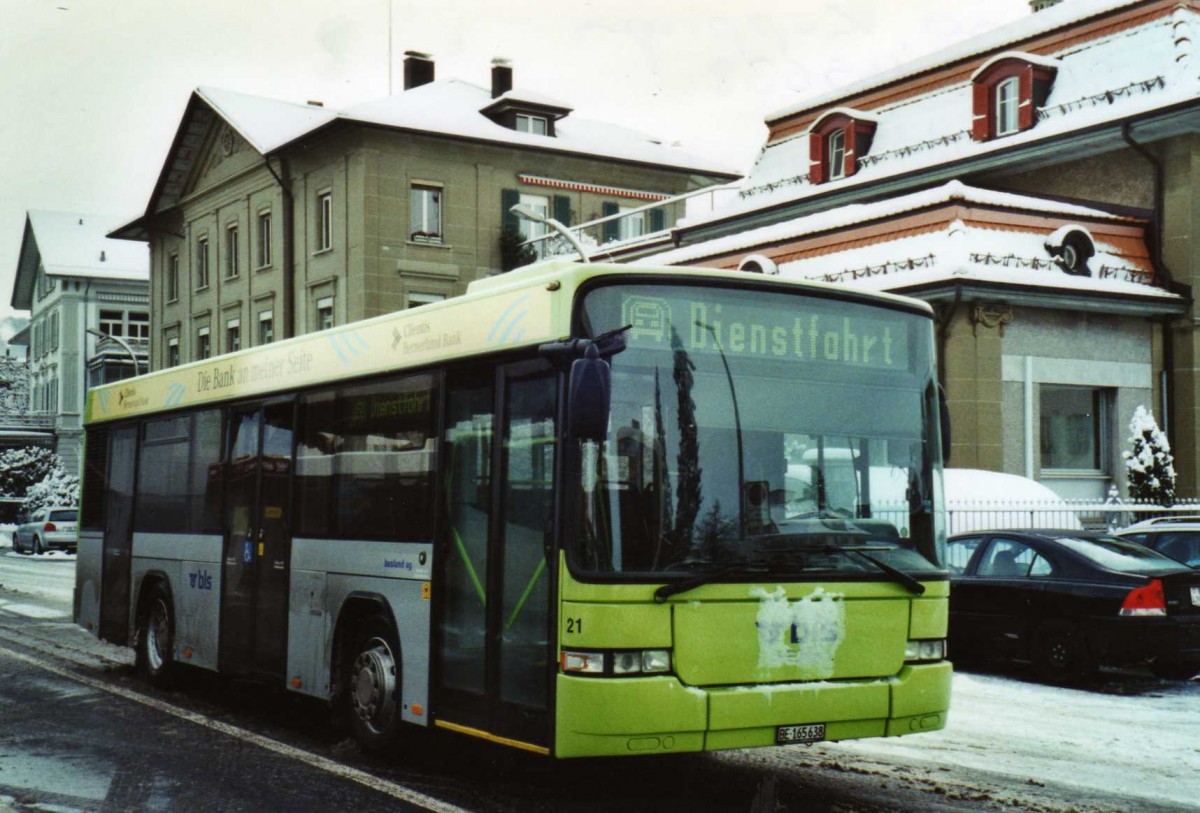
(89, 311)
(271, 219)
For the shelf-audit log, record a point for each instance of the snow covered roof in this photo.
(950, 233)
(447, 107)
(66, 244)
(1114, 74)
(1063, 15)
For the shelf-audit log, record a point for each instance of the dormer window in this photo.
(837, 140)
(538, 125)
(1007, 91)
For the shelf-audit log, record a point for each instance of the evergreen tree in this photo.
(58, 488)
(1150, 467)
(23, 467)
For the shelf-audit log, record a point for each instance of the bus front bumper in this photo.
(613, 717)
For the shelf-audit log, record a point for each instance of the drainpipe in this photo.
(286, 227)
(1156, 257)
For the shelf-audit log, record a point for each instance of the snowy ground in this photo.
(1144, 743)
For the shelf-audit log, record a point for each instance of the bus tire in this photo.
(1061, 654)
(373, 686)
(156, 638)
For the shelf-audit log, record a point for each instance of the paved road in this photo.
(79, 732)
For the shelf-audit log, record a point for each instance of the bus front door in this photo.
(494, 643)
(257, 539)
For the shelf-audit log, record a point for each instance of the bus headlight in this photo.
(925, 651)
(616, 663)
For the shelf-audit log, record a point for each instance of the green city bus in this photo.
(582, 510)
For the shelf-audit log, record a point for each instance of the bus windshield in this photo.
(760, 431)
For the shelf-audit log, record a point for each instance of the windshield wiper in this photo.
(899, 576)
(675, 588)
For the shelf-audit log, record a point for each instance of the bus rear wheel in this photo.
(373, 687)
(156, 638)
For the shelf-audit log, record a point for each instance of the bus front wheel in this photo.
(373, 687)
(156, 633)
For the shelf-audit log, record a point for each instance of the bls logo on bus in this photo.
(200, 580)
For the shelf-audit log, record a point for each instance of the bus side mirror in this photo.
(590, 396)
(944, 420)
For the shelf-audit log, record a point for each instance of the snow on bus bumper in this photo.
(661, 715)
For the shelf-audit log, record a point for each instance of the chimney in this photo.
(501, 77)
(1039, 5)
(418, 69)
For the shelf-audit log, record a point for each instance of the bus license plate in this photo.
(785, 734)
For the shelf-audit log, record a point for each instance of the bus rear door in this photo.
(257, 539)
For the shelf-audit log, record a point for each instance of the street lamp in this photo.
(538, 217)
(137, 370)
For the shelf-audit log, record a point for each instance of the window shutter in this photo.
(850, 159)
(816, 158)
(982, 111)
(1025, 97)
(508, 199)
(612, 228)
(658, 219)
(562, 209)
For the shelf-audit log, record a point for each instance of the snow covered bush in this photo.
(23, 467)
(59, 488)
(1150, 467)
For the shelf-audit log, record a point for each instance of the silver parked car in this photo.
(52, 528)
(1174, 536)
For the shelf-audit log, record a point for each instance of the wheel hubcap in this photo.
(373, 685)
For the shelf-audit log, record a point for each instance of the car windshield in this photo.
(1119, 554)
(63, 516)
(767, 430)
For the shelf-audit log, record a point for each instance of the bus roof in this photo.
(521, 308)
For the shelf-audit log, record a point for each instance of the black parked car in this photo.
(1069, 601)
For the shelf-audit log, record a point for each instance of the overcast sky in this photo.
(93, 90)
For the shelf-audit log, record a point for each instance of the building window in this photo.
(54, 331)
(1074, 427)
(1007, 100)
(837, 141)
(416, 299)
(264, 239)
(325, 313)
(266, 327)
(173, 278)
(631, 225)
(202, 263)
(538, 125)
(173, 352)
(203, 344)
(324, 221)
(425, 214)
(531, 229)
(1007, 91)
(112, 323)
(233, 335)
(138, 325)
(836, 150)
(231, 250)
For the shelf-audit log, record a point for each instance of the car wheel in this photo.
(1061, 654)
(156, 638)
(37, 546)
(373, 686)
(1174, 670)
